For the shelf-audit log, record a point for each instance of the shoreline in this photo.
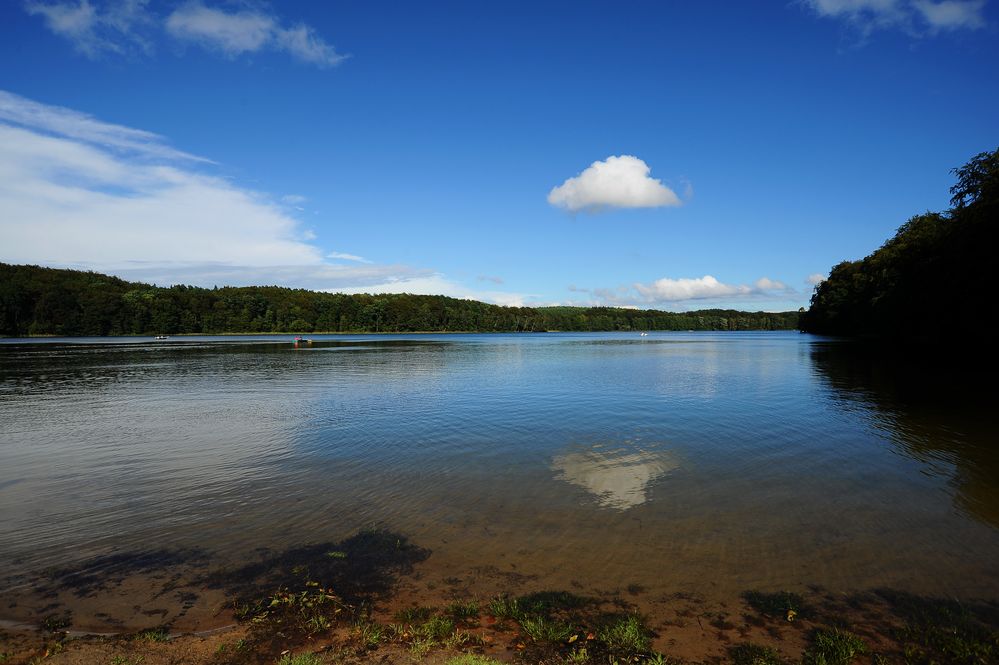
(408, 332)
(369, 598)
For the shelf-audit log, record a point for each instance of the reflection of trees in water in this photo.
(936, 410)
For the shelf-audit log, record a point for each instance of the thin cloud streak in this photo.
(245, 31)
(79, 193)
(24, 112)
(124, 27)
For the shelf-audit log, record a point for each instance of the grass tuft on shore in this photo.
(834, 647)
(754, 654)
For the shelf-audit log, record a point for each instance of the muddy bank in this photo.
(371, 598)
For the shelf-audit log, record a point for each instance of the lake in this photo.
(694, 463)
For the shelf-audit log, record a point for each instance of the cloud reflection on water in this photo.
(618, 477)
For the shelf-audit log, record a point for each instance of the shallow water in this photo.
(706, 463)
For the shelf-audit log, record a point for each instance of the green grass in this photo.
(505, 607)
(463, 611)
(834, 647)
(546, 602)
(300, 659)
(945, 631)
(56, 623)
(435, 628)
(127, 660)
(542, 603)
(414, 614)
(626, 635)
(754, 654)
(542, 629)
(370, 634)
(472, 659)
(159, 634)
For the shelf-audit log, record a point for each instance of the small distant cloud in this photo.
(952, 14)
(616, 182)
(293, 199)
(490, 278)
(347, 257)
(439, 284)
(248, 31)
(668, 290)
(815, 278)
(915, 17)
(683, 292)
(767, 284)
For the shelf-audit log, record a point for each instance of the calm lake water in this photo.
(705, 463)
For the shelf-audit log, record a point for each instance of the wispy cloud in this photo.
(347, 257)
(93, 29)
(249, 31)
(952, 14)
(916, 17)
(70, 124)
(77, 192)
(815, 278)
(490, 278)
(99, 27)
(616, 182)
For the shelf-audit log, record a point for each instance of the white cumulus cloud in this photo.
(815, 278)
(248, 31)
(617, 182)
(688, 292)
(668, 290)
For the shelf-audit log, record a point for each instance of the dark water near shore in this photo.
(700, 462)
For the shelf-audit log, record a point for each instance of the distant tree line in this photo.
(48, 301)
(932, 280)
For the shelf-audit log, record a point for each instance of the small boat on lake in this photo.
(302, 340)
(162, 337)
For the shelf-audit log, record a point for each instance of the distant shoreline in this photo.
(392, 333)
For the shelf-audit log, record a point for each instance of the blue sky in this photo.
(667, 155)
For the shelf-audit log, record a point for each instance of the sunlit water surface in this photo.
(699, 462)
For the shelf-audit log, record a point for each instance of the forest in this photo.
(931, 280)
(49, 301)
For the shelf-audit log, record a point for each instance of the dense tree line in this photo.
(932, 280)
(48, 301)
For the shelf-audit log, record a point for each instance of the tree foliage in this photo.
(48, 301)
(931, 280)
